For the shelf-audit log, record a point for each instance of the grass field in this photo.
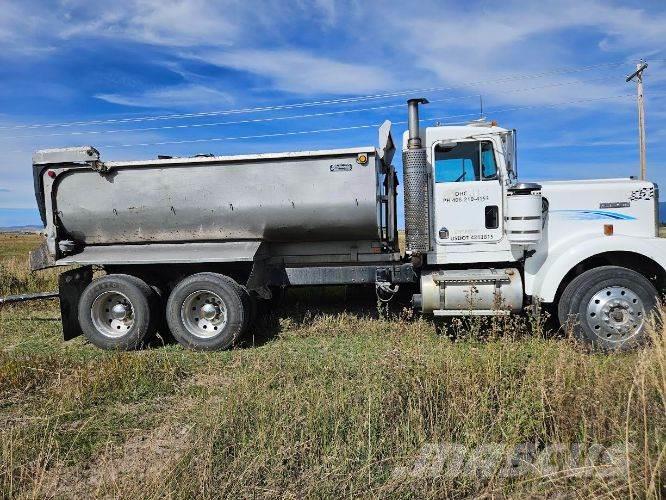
(326, 397)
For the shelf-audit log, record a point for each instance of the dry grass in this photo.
(15, 275)
(332, 404)
(17, 244)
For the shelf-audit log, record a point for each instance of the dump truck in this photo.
(198, 240)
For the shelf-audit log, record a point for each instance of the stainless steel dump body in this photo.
(307, 196)
(310, 197)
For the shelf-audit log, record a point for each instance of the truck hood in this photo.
(586, 205)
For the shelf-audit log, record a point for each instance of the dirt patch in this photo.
(212, 380)
(141, 461)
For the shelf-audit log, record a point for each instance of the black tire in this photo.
(608, 307)
(198, 333)
(249, 302)
(135, 329)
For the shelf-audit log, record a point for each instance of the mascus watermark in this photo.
(453, 460)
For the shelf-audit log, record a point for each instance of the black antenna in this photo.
(481, 105)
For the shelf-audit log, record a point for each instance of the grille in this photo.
(415, 170)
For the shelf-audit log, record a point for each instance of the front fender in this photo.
(546, 279)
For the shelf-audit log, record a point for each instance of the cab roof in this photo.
(444, 132)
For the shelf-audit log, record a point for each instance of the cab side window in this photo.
(488, 165)
(464, 162)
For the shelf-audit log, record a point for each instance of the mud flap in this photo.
(70, 287)
(259, 279)
(40, 258)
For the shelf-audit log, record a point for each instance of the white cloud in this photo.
(189, 23)
(313, 47)
(183, 96)
(20, 32)
(461, 46)
(12, 20)
(16, 176)
(171, 23)
(301, 72)
(434, 43)
(231, 28)
(329, 10)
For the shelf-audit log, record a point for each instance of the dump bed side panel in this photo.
(281, 200)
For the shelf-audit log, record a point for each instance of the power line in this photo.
(292, 117)
(356, 127)
(310, 103)
(537, 106)
(352, 127)
(215, 124)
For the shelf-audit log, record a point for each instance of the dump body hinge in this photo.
(77, 155)
(98, 166)
(60, 156)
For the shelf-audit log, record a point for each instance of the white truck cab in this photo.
(560, 238)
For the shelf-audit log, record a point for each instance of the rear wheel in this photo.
(118, 311)
(207, 311)
(609, 307)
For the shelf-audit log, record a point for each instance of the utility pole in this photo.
(638, 75)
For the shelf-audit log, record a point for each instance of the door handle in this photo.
(492, 217)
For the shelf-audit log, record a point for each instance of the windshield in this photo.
(465, 161)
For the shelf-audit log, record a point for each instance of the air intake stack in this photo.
(415, 173)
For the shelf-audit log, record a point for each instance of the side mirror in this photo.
(514, 153)
(510, 154)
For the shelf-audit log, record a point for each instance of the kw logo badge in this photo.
(642, 194)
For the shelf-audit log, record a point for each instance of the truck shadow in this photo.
(294, 308)
(299, 307)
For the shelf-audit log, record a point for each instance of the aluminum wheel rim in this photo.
(615, 313)
(112, 314)
(204, 314)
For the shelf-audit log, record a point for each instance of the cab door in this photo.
(467, 193)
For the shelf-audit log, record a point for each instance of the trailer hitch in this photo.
(384, 289)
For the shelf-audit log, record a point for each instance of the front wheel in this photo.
(609, 307)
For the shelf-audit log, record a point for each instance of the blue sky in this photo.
(65, 61)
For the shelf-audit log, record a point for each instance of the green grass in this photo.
(323, 404)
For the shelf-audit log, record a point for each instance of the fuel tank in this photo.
(283, 197)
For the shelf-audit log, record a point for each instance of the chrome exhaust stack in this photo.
(413, 121)
(415, 174)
